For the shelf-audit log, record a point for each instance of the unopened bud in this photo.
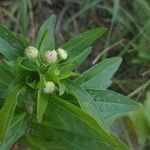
(50, 56)
(31, 52)
(62, 53)
(49, 87)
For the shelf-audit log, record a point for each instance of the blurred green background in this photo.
(128, 36)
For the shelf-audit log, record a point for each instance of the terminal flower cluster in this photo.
(48, 58)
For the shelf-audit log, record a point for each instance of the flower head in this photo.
(50, 56)
(31, 52)
(49, 87)
(62, 53)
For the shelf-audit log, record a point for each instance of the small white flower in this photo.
(62, 53)
(50, 56)
(49, 87)
(31, 52)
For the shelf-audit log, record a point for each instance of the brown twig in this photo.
(75, 24)
(60, 18)
(31, 20)
(1, 13)
(106, 50)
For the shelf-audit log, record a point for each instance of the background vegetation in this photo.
(128, 32)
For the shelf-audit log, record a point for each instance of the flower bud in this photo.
(62, 53)
(49, 87)
(50, 56)
(31, 52)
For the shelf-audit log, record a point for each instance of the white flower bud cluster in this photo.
(49, 57)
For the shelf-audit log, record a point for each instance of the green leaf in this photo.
(99, 76)
(78, 44)
(17, 128)
(85, 101)
(10, 46)
(23, 15)
(3, 90)
(37, 143)
(10, 38)
(103, 136)
(51, 73)
(27, 64)
(24, 41)
(112, 105)
(62, 88)
(66, 74)
(46, 40)
(7, 50)
(9, 106)
(6, 77)
(68, 130)
(42, 101)
(75, 62)
(71, 127)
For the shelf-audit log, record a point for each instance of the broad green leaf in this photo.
(85, 101)
(9, 106)
(6, 77)
(42, 101)
(68, 125)
(4, 67)
(37, 143)
(78, 44)
(17, 128)
(46, 40)
(7, 50)
(75, 62)
(27, 64)
(23, 18)
(11, 66)
(10, 45)
(103, 136)
(10, 38)
(99, 76)
(112, 105)
(3, 90)
(70, 132)
(23, 40)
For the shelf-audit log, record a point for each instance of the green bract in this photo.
(49, 104)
